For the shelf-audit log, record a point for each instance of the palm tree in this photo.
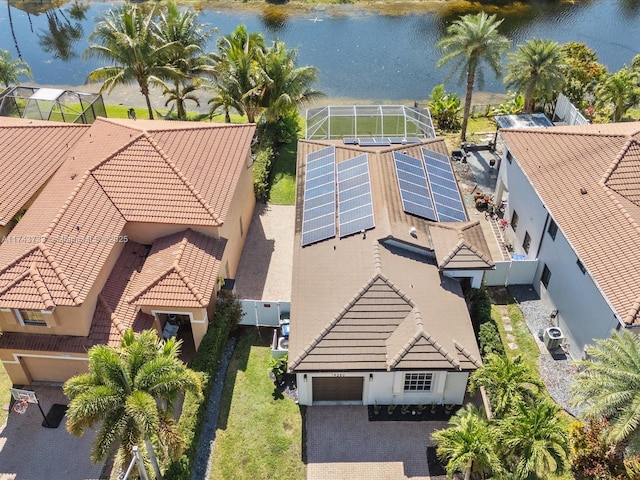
(191, 36)
(471, 41)
(238, 72)
(469, 444)
(535, 70)
(286, 86)
(508, 382)
(534, 440)
(11, 70)
(130, 391)
(131, 41)
(608, 387)
(621, 90)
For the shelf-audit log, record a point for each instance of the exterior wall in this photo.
(474, 275)
(583, 312)
(385, 388)
(237, 221)
(199, 319)
(147, 233)
(25, 367)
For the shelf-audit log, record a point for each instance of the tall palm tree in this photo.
(534, 440)
(472, 41)
(238, 71)
(130, 391)
(508, 382)
(620, 90)
(535, 71)
(469, 444)
(130, 40)
(182, 27)
(608, 387)
(11, 70)
(286, 85)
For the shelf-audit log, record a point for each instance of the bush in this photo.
(279, 368)
(591, 458)
(489, 339)
(227, 315)
(480, 307)
(262, 171)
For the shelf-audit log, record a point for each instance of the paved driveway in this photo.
(29, 451)
(343, 444)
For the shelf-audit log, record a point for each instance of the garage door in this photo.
(52, 369)
(337, 389)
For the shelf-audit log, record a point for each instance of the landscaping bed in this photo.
(412, 413)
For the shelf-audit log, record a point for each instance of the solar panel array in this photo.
(355, 205)
(380, 141)
(414, 191)
(444, 188)
(319, 207)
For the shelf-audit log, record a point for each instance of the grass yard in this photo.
(5, 396)
(283, 185)
(259, 433)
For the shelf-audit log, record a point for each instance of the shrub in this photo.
(489, 339)
(227, 315)
(261, 171)
(279, 368)
(591, 458)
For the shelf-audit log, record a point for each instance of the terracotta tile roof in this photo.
(460, 246)
(118, 171)
(350, 296)
(27, 163)
(602, 225)
(181, 271)
(112, 316)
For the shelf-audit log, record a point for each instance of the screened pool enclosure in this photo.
(51, 104)
(370, 121)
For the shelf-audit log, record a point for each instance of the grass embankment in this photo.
(259, 432)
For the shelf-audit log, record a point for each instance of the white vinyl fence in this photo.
(516, 272)
(263, 314)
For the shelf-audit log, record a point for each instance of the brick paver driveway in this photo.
(343, 444)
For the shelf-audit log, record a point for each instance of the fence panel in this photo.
(516, 272)
(263, 314)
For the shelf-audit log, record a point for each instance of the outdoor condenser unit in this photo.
(553, 338)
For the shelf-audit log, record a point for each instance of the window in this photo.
(527, 242)
(581, 266)
(32, 318)
(417, 382)
(514, 220)
(509, 157)
(546, 276)
(553, 229)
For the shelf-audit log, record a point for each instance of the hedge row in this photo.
(227, 315)
(484, 325)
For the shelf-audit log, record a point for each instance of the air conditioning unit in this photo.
(553, 338)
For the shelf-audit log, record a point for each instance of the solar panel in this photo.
(444, 188)
(414, 191)
(413, 140)
(319, 204)
(355, 205)
(350, 141)
(374, 142)
(397, 140)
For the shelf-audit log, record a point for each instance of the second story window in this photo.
(32, 318)
(527, 242)
(514, 220)
(553, 229)
(546, 276)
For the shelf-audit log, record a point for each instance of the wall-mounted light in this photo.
(305, 377)
(371, 377)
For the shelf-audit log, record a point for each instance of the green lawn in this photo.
(259, 433)
(5, 396)
(283, 186)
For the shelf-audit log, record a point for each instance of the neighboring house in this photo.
(574, 205)
(26, 165)
(376, 315)
(135, 227)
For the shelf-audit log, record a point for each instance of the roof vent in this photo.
(583, 190)
(413, 232)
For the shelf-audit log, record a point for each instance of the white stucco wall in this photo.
(474, 275)
(386, 388)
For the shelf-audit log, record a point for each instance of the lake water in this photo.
(360, 54)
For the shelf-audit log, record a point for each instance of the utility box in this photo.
(553, 338)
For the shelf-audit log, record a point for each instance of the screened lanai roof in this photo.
(51, 104)
(378, 121)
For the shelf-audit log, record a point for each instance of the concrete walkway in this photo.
(343, 444)
(29, 451)
(266, 265)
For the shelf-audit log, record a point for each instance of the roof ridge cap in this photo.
(163, 273)
(115, 320)
(377, 258)
(463, 350)
(616, 161)
(118, 150)
(189, 284)
(57, 269)
(452, 253)
(41, 287)
(66, 204)
(14, 281)
(183, 179)
(477, 252)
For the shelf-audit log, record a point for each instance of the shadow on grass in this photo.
(238, 363)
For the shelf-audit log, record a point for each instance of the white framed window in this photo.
(418, 382)
(30, 318)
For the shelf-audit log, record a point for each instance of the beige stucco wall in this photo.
(147, 233)
(237, 221)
